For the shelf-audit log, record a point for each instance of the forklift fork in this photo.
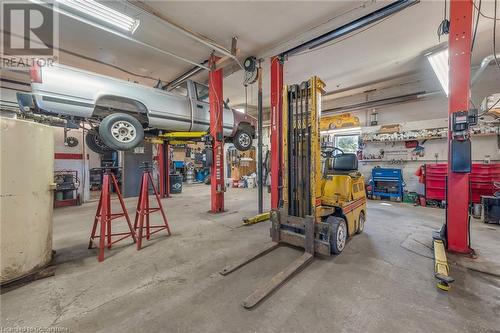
(294, 267)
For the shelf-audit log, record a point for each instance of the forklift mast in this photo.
(301, 148)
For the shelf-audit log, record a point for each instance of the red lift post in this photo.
(164, 169)
(276, 129)
(457, 213)
(215, 96)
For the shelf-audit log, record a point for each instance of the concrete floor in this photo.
(382, 282)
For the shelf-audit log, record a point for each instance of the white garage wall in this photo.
(430, 112)
(90, 160)
(482, 147)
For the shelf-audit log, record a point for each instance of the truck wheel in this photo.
(243, 139)
(361, 223)
(338, 236)
(94, 142)
(121, 131)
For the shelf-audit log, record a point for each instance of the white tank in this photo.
(26, 197)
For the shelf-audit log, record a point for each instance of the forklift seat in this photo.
(345, 164)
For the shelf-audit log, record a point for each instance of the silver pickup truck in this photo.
(121, 111)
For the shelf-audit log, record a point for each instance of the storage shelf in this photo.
(404, 140)
(426, 138)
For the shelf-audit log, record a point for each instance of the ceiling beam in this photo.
(351, 26)
(148, 10)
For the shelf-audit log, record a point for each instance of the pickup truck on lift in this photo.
(120, 112)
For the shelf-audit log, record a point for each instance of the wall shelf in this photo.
(424, 138)
(404, 140)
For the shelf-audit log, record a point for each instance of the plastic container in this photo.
(250, 182)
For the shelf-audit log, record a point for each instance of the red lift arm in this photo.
(215, 96)
(276, 129)
(457, 212)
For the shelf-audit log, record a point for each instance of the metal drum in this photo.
(190, 176)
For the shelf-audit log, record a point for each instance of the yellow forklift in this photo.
(323, 193)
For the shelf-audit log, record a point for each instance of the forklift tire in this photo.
(361, 223)
(121, 131)
(338, 236)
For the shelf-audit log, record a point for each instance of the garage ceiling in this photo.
(391, 47)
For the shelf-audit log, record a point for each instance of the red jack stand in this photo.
(143, 209)
(104, 216)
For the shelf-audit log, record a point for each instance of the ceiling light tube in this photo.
(440, 66)
(103, 13)
(118, 34)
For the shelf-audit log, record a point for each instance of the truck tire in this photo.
(243, 139)
(121, 131)
(95, 143)
(338, 236)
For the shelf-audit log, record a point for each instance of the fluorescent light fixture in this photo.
(240, 110)
(441, 67)
(108, 15)
(353, 130)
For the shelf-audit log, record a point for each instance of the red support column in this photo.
(215, 96)
(161, 170)
(276, 130)
(166, 145)
(457, 217)
(164, 169)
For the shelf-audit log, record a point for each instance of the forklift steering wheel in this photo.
(330, 153)
(340, 150)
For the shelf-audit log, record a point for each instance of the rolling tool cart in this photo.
(387, 183)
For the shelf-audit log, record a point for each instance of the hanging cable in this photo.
(444, 26)
(476, 25)
(483, 15)
(495, 34)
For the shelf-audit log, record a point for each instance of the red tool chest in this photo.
(481, 180)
